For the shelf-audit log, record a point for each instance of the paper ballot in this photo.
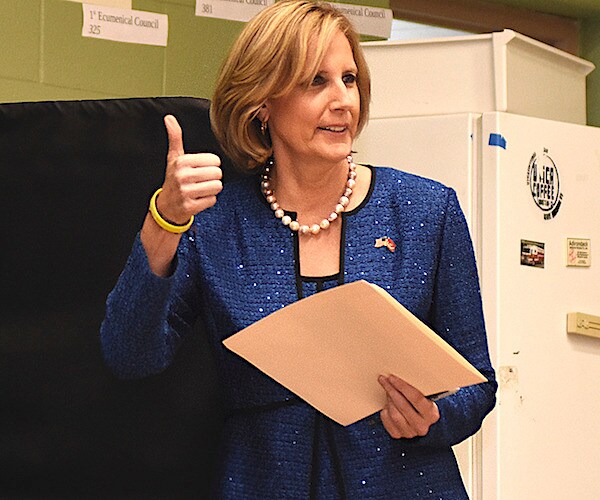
(330, 348)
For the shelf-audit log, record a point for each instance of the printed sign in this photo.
(121, 4)
(579, 252)
(232, 10)
(544, 183)
(372, 21)
(532, 253)
(123, 25)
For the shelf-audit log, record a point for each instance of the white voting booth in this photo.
(503, 71)
(436, 105)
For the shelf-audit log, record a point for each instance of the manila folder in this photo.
(330, 348)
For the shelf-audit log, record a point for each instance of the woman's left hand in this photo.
(408, 413)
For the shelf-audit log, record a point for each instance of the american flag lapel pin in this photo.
(385, 241)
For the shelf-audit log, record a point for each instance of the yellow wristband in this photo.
(164, 224)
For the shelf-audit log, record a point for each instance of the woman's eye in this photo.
(318, 80)
(349, 79)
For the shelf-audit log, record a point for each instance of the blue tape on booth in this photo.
(497, 140)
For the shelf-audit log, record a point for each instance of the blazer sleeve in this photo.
(148, 316)
(457, 315)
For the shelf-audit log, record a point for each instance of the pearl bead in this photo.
(315, 228)
(279, 213)
(274, 206)
(344, 201)
(294, 225)
(271, 199)
(332, 216)
(351, 183)
(324, 224)
(286, 219)
(339, 208)
(304, 229)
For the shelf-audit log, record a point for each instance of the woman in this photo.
(290, 100)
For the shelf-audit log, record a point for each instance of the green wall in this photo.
(590, 50)
(44, 57)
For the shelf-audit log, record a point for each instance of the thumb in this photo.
(174, 137)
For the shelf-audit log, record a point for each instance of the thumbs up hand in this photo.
(192, 181)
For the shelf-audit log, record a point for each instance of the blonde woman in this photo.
(290, 100)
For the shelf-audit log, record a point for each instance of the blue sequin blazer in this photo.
(238, 263)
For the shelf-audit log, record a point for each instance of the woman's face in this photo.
(318, 123)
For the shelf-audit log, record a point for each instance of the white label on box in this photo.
(232, 10)
(121, 4)
(373, 21)
(579, 252)
(123, 25)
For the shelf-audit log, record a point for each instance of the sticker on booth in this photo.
(579, 252)
(544, 184)
(533, 253)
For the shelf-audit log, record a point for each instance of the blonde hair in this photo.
(269, 59)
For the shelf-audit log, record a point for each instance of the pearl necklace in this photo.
(294, 225)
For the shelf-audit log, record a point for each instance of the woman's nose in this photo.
(341, 97)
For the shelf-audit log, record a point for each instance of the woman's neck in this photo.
(308, 188)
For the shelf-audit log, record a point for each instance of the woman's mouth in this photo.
(333, 129)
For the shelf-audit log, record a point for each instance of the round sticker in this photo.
(544, 183)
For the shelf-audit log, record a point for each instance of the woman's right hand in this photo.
(192, 181)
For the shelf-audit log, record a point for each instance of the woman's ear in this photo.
(263, 113)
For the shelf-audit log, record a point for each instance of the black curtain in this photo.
(75, 181)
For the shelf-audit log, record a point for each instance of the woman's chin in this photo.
(338, 151)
